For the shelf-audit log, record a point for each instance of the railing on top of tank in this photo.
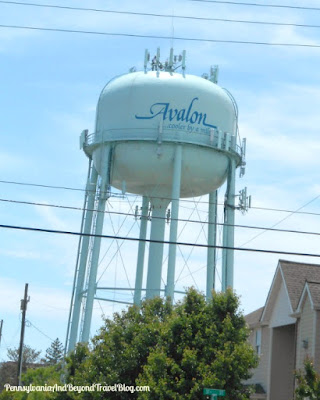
(209, 137)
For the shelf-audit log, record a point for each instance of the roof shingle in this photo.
(295, 276)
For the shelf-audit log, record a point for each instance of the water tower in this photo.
(162, 135)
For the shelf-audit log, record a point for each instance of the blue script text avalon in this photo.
(171, 114)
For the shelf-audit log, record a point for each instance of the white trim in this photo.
(258, 341)
(302, 298)
(314, 333)
(285, 286)
(275, 278)
(270, 291)
(269, 363)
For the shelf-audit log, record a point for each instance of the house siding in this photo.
(281, 312)
(260, 374)
(281, 385)
(317, 341)
(305, 332)
(290, 328)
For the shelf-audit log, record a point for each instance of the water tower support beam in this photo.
(159, 207)
(176, 183)
(105, 159)
(228, 229)
(212, 241)
(87, 216)
(141, 250)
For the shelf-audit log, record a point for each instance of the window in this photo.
(258, 341)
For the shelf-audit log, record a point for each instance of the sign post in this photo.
(214, 393)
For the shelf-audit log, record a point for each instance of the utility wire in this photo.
(283, 219)
(159, 15)
(119, 195)
(259, 5)
(42, 186)
(128, 214)
(188, 39)
(42, 333)
(55, 231)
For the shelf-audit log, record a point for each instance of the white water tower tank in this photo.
(144, 116)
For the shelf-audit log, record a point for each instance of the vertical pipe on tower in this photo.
(212, 242)
(141, 250)
(87, 216)
(97, 231)
(159, 207)
(228, 229)
(176, 183)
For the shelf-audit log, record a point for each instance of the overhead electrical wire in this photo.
(119, 195)
(258, 4)
(134, 239)
(279, 222)
(42, 333)
(42, 186)
(126, 214)
(178, 38)
(135, 13)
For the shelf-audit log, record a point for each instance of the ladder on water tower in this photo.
(89, 262)
(79, 252)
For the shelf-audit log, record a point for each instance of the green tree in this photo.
(8, 373)
(54, 353)
(308, 382)
(37, 377)
(176, 350)
(30, 355)
(8, 370)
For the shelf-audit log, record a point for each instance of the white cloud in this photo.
(9, 37)
(9, 162)
(24, 254)
(51, 219)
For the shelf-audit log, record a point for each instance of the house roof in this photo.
(253, 318)
(312, 290)
(295, 276)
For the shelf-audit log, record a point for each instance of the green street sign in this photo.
(217, 392)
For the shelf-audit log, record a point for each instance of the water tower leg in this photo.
(141, 250)
(96, 246)
(212, 241)
(81, 267)
(159, 207)
(176, 182)
(228, 230)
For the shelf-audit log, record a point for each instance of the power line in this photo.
(133, 239)
(119, 195)
(284, 210)
(128, 214)
(259, 5)
(42, 186)
(99, 10)
(283, 219)
(188, 39)
(42, 333)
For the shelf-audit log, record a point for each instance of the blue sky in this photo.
(50, 83)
